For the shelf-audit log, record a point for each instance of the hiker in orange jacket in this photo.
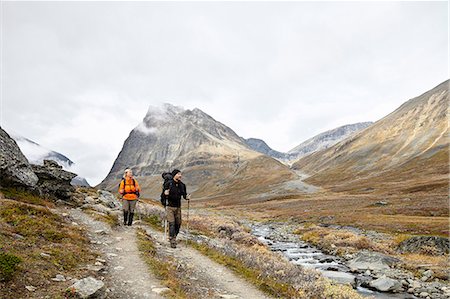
(130, 191)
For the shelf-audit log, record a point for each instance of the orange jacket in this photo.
(128, 191)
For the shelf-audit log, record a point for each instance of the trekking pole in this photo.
(187, 224)
(165, 223)
(137, 211)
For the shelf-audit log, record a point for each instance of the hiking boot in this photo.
(130, 219)
(125, 217)
(173, 243)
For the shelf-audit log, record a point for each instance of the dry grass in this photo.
(340, 242)
(420, 262)
(165, 268)
(419, 213)
(45, 244)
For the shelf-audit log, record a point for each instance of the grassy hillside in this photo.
(406, 151)
(36, 244)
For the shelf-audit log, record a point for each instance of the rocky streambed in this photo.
(372, 274)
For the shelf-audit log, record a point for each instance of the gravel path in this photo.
(218, 279)
(126, 274)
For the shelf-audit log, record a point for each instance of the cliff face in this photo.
(14, 167)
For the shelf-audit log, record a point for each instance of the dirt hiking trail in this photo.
(128, 276)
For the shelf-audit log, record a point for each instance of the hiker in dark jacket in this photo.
(174, 190)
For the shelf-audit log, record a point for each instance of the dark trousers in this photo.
(174, 219)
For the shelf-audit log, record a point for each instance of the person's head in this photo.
(176, 174)
(128, 173)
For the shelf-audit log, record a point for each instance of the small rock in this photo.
(415, 284)
(428, 273)
(31, 288)
(18, 237)
(160, 290)
(381, 203)
(43, 254)
(340, 277)
(74, 223)
(59, 277)
(64, 214)
(95, 268)
(101, 260)
(98, 264)
(89, 287)
(111, 254)
(424, 295)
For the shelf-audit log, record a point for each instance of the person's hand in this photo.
(188, 197)
(166, 192)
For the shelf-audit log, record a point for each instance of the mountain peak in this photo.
(165, 109)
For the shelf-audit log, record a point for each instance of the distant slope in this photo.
(407, 149)
(261, 147)
(325, 140)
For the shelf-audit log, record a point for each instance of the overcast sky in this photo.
(77, 77)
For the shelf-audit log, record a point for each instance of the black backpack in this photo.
(167, 184)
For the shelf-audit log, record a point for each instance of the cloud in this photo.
(79, 76)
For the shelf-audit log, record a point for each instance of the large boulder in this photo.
(386, 284)
(108, 199)
(425, 245)
(54, 181)
(15, 171)
(367, 260)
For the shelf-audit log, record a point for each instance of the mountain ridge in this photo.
(413, 133)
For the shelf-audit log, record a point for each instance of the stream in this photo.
(302, 253)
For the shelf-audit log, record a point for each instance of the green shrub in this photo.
(8, 265)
